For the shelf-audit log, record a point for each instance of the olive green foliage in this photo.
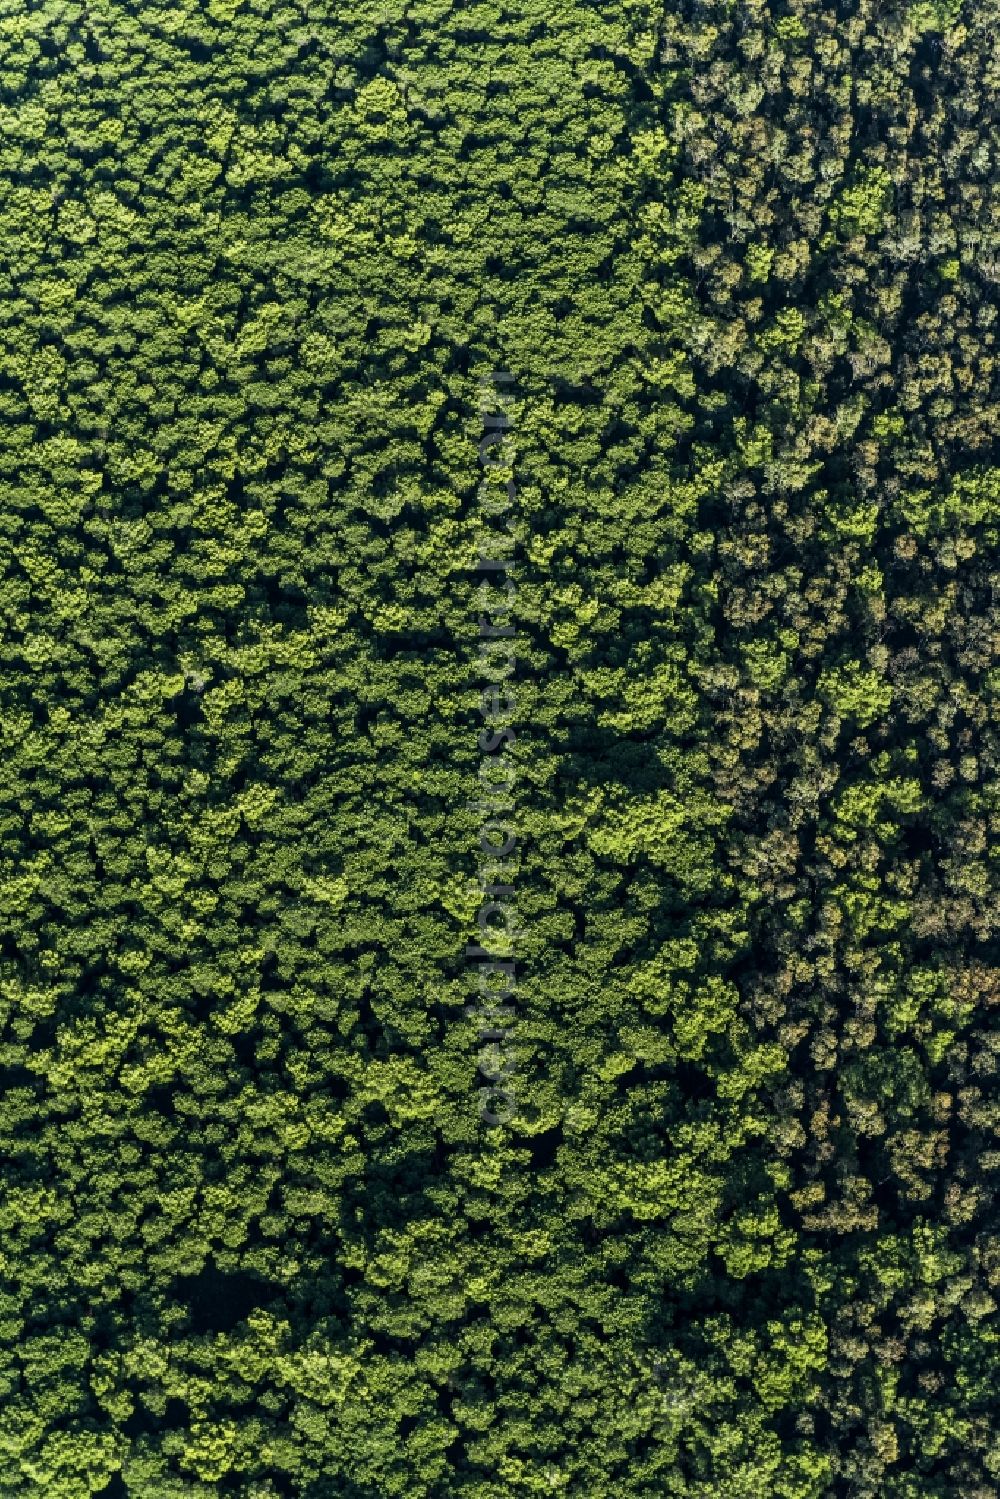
(741, 258)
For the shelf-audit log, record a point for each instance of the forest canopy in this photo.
(499, 666)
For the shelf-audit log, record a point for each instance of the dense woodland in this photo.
(742, 261)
